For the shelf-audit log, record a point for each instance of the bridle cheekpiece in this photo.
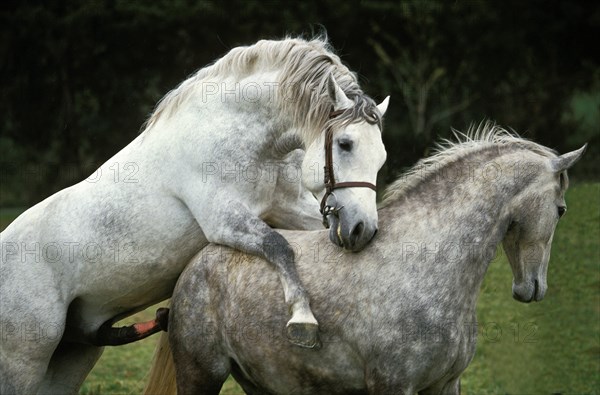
(329, 176)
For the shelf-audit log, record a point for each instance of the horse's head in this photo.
(534, 216)
(350, 152)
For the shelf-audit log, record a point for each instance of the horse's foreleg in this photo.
(302, 328)
(244, 231)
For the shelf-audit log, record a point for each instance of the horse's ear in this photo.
(567, 160)
(382, 107)
(337, 95)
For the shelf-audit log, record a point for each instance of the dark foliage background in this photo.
(79, 77)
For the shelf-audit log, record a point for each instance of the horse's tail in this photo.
(162, 373)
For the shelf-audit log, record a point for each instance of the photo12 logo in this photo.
(116, 172)
(69, 252)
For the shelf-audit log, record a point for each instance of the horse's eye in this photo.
(345, 144)
(561, 211)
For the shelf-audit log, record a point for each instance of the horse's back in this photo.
(232, 301)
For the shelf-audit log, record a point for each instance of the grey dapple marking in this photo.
(397, 317)
(176, 209)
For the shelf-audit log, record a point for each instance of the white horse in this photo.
(207, 168)
(398, 317)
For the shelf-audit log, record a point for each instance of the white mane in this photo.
(303, 70)
(477, 138)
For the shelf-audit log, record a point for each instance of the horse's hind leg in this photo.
(198, 380)
(68, 368)
(451, 387)
(31, 331)
(19, 373)
(250, 234)
(200, 368)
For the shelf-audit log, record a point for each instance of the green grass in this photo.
(541, 348)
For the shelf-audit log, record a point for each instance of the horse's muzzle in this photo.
(351, 236)
(529, 291)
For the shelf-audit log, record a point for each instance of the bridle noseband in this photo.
(329, 177)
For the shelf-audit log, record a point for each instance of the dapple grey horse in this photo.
(398, 317)
(202, 171)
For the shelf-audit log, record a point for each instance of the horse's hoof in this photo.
(304, 335)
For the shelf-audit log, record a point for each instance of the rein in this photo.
(329, 176)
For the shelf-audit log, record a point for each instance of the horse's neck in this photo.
(454, 227)
(243, 110)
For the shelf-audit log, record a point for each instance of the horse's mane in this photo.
(303, 68)
(477, 138)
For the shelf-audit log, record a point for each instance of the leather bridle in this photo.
(329, 176)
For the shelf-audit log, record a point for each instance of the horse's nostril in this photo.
(357, 231)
